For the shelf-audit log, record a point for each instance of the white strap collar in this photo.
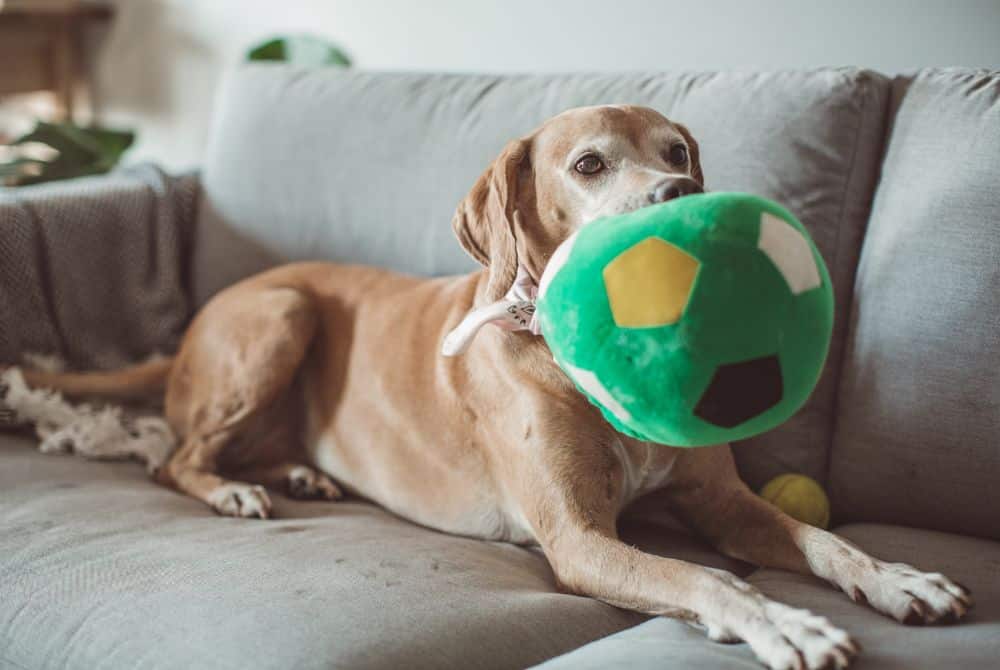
(515, 312)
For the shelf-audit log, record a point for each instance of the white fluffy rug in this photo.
(106, 432)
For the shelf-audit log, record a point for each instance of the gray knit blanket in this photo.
(92, 271)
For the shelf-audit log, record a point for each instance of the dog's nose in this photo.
(674, 187)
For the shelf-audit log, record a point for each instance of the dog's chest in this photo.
(646, 467)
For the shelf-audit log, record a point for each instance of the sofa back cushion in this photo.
(368, 168)
(918, 436)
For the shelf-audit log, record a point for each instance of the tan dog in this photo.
(338, 367)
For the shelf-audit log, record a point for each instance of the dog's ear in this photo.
(485, 220)
(694, 154)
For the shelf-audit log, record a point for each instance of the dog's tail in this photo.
(141, 380)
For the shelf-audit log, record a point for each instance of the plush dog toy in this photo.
(694, 322)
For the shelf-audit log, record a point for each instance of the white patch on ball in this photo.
(589, 382)
(558, 260)
(790, 252)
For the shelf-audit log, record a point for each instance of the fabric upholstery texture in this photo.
(918, 431)
(369, 167)
(973, 645)
(102, 569)
(92, 270)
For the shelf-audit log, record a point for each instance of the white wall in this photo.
(159, 66)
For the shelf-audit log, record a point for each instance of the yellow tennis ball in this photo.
(799, 497)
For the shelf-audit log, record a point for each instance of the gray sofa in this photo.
(898, 181)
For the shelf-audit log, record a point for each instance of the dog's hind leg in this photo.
(298, 481)
(238, 360)
(192, 470)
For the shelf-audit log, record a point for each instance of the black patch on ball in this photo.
(740, 391)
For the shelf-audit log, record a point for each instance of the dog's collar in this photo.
(516, 311)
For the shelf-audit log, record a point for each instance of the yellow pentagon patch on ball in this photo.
(649, 284)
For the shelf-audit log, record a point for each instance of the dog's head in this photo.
(578, 166)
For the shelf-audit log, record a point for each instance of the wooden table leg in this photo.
(64, 67)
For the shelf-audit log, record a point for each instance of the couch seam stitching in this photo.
(849, 299)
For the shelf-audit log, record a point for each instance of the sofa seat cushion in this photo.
(972, 645)
(101, 568)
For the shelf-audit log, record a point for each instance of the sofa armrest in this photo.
(92, 270)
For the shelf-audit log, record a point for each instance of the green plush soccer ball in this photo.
(698, 321)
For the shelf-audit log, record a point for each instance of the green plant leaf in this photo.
(82, 151)
(270, 50)
(306, 50)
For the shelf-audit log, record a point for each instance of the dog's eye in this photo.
(678, 154)
(589, 164)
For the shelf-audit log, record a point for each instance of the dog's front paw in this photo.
(786, 638)
(913, 597)
(304, 483)
(241, 500)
